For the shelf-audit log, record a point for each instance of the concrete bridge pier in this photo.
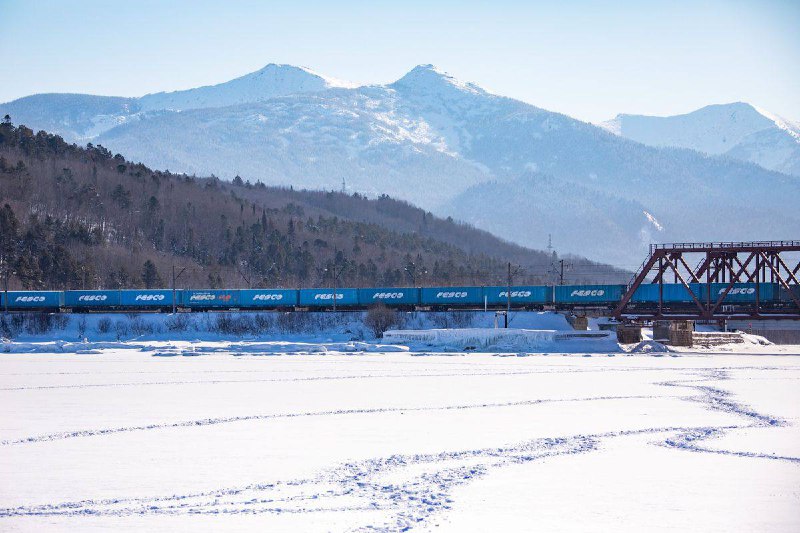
(629, 333)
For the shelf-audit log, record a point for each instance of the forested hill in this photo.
(75, 217)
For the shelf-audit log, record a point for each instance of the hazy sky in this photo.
(590, 60)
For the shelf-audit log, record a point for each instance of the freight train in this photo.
(672, 297)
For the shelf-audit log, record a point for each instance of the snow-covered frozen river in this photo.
(124, 440)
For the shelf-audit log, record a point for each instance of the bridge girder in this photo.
(719, 262)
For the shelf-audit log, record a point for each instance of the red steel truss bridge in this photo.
(725, 264)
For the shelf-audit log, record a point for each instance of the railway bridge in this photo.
(721, 271)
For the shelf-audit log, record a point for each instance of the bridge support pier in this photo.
(579, 323)
(680, 333)
(629, 333)
(661, 330)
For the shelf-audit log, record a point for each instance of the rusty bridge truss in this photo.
(725, 264)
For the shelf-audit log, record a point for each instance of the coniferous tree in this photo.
(150, 276)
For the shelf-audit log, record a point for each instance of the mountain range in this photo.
(519, 171)
(738, 130)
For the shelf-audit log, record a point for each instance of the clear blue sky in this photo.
(587, 59)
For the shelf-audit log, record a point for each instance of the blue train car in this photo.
(744, 292)
(539, 294)
(267, 298)
(784, 295)
(148, 298)
(32, 299)
(324, 297)
(588, 294)
(209, 299)
(452, 296)
(389, 296)
(672, 293)
(92, 299)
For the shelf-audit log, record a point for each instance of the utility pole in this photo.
(174, 281)
(334, 279)
(5, 290)
(508, 296)
(411, 270)
(563, 265)
(510, 282)
(244, 277)
(335, 275)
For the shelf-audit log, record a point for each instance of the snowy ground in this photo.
(121, 439)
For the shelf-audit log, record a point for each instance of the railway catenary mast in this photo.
(508, 296)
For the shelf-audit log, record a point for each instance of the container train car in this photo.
(671, 296)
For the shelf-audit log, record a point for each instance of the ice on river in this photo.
(392, 441)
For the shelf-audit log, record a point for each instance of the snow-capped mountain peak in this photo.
(737, 129)
(713, 129)
(427, 79)
(300, 75)
(269, 82)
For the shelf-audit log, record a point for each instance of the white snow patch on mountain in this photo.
(790, 127)
(653, 221)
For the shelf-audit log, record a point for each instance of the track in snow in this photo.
(400, 492)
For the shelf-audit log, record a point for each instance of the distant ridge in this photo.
(738, 130)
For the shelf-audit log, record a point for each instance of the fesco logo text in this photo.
(588, 292)
(29, 299)
(208, 297)
(328, 296)
(387, 295)
(454, 294)
(739, 290)
(149, 297)
(92, 298)
(515, 294)
(267, 297)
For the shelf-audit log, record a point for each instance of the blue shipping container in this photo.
(578, 294)
(146, 298)
(32, 299)
(389, 296)
(267, 298)
(324, 297)
(744, 292)
(209, 298)
(673, 293)
(91, 298)
(452, 295)
(539, 294)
